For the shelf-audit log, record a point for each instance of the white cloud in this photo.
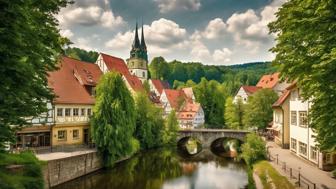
(222, 56)
(66, 33)
(162, 37)
(215, 29)
(89, 13)
(176, 5)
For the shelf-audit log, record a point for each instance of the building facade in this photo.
(245, 92)
(280, 126)
(302, 142)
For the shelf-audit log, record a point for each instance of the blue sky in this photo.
(220, 32)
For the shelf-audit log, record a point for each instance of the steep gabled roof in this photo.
(160, 85)
(250, 89)
(269, 81)
(282, 98)
(118, 65)
(68, 82)
(174, 97)
(115, 64)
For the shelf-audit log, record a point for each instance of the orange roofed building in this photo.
(272, 81)
(189, 113)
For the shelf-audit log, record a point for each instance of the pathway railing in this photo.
(293, 173)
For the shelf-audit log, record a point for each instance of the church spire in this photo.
(136, 42)
(143, 43)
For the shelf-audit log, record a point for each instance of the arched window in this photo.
(143, 74)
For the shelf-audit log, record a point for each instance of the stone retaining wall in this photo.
(62, 170)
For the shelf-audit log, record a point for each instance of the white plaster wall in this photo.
(241, 94)
(73, 119)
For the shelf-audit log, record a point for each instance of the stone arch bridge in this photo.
(208, 136)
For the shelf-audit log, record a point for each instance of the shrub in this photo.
(30, 177)
(254, 149)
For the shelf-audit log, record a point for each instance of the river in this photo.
(167, 169)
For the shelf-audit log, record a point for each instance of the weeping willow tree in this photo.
(113, 121)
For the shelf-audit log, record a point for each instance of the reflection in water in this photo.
(167, 169)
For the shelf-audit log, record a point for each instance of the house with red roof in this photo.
(244, 92)
(191, 116)
(189, 113)
(74, 87)
(157, 86)
(108, 63)
(272, 81)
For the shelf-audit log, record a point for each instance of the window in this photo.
(303, 119)
(303, 148)
(143, 74)
(75, 112)
(59, 111)
(61, 134)
(67, 111)
(89, 111)
(293, 144)
(313, 152)
(75, 134)
(293, 118)
(83, 112)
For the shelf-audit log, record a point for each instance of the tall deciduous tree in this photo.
(234, 113)
(30, 45)
(259, 109)
(306, 52)
(149, 123)
(113, 120)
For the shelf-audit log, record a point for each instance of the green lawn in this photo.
(270, 178)
(29, 176)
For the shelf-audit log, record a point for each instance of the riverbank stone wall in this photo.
(62, 170)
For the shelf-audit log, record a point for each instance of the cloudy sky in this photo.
(220, 32)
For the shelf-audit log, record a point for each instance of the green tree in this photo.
(234, 113)
(30, 45)
(81, 54)
(211, 95)
(171, 129)
(113, 120)
(254, 149)
(158, 68)
(149, 122)
(259, 110)
(306, 52)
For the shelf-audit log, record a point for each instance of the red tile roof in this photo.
(174, 97)
(118, 65)
(250, 89)
(160, 85)
(189, 111)
(68, 82)
(269, 81)
(282, 98)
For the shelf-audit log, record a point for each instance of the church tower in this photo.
(138, 61)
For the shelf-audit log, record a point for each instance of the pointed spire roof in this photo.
(143, 43)
(136, 42)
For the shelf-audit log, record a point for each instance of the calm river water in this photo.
(167, 169)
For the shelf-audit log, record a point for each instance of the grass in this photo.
(270, 178)
(28, 177)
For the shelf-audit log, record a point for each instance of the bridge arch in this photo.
(208, 136)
